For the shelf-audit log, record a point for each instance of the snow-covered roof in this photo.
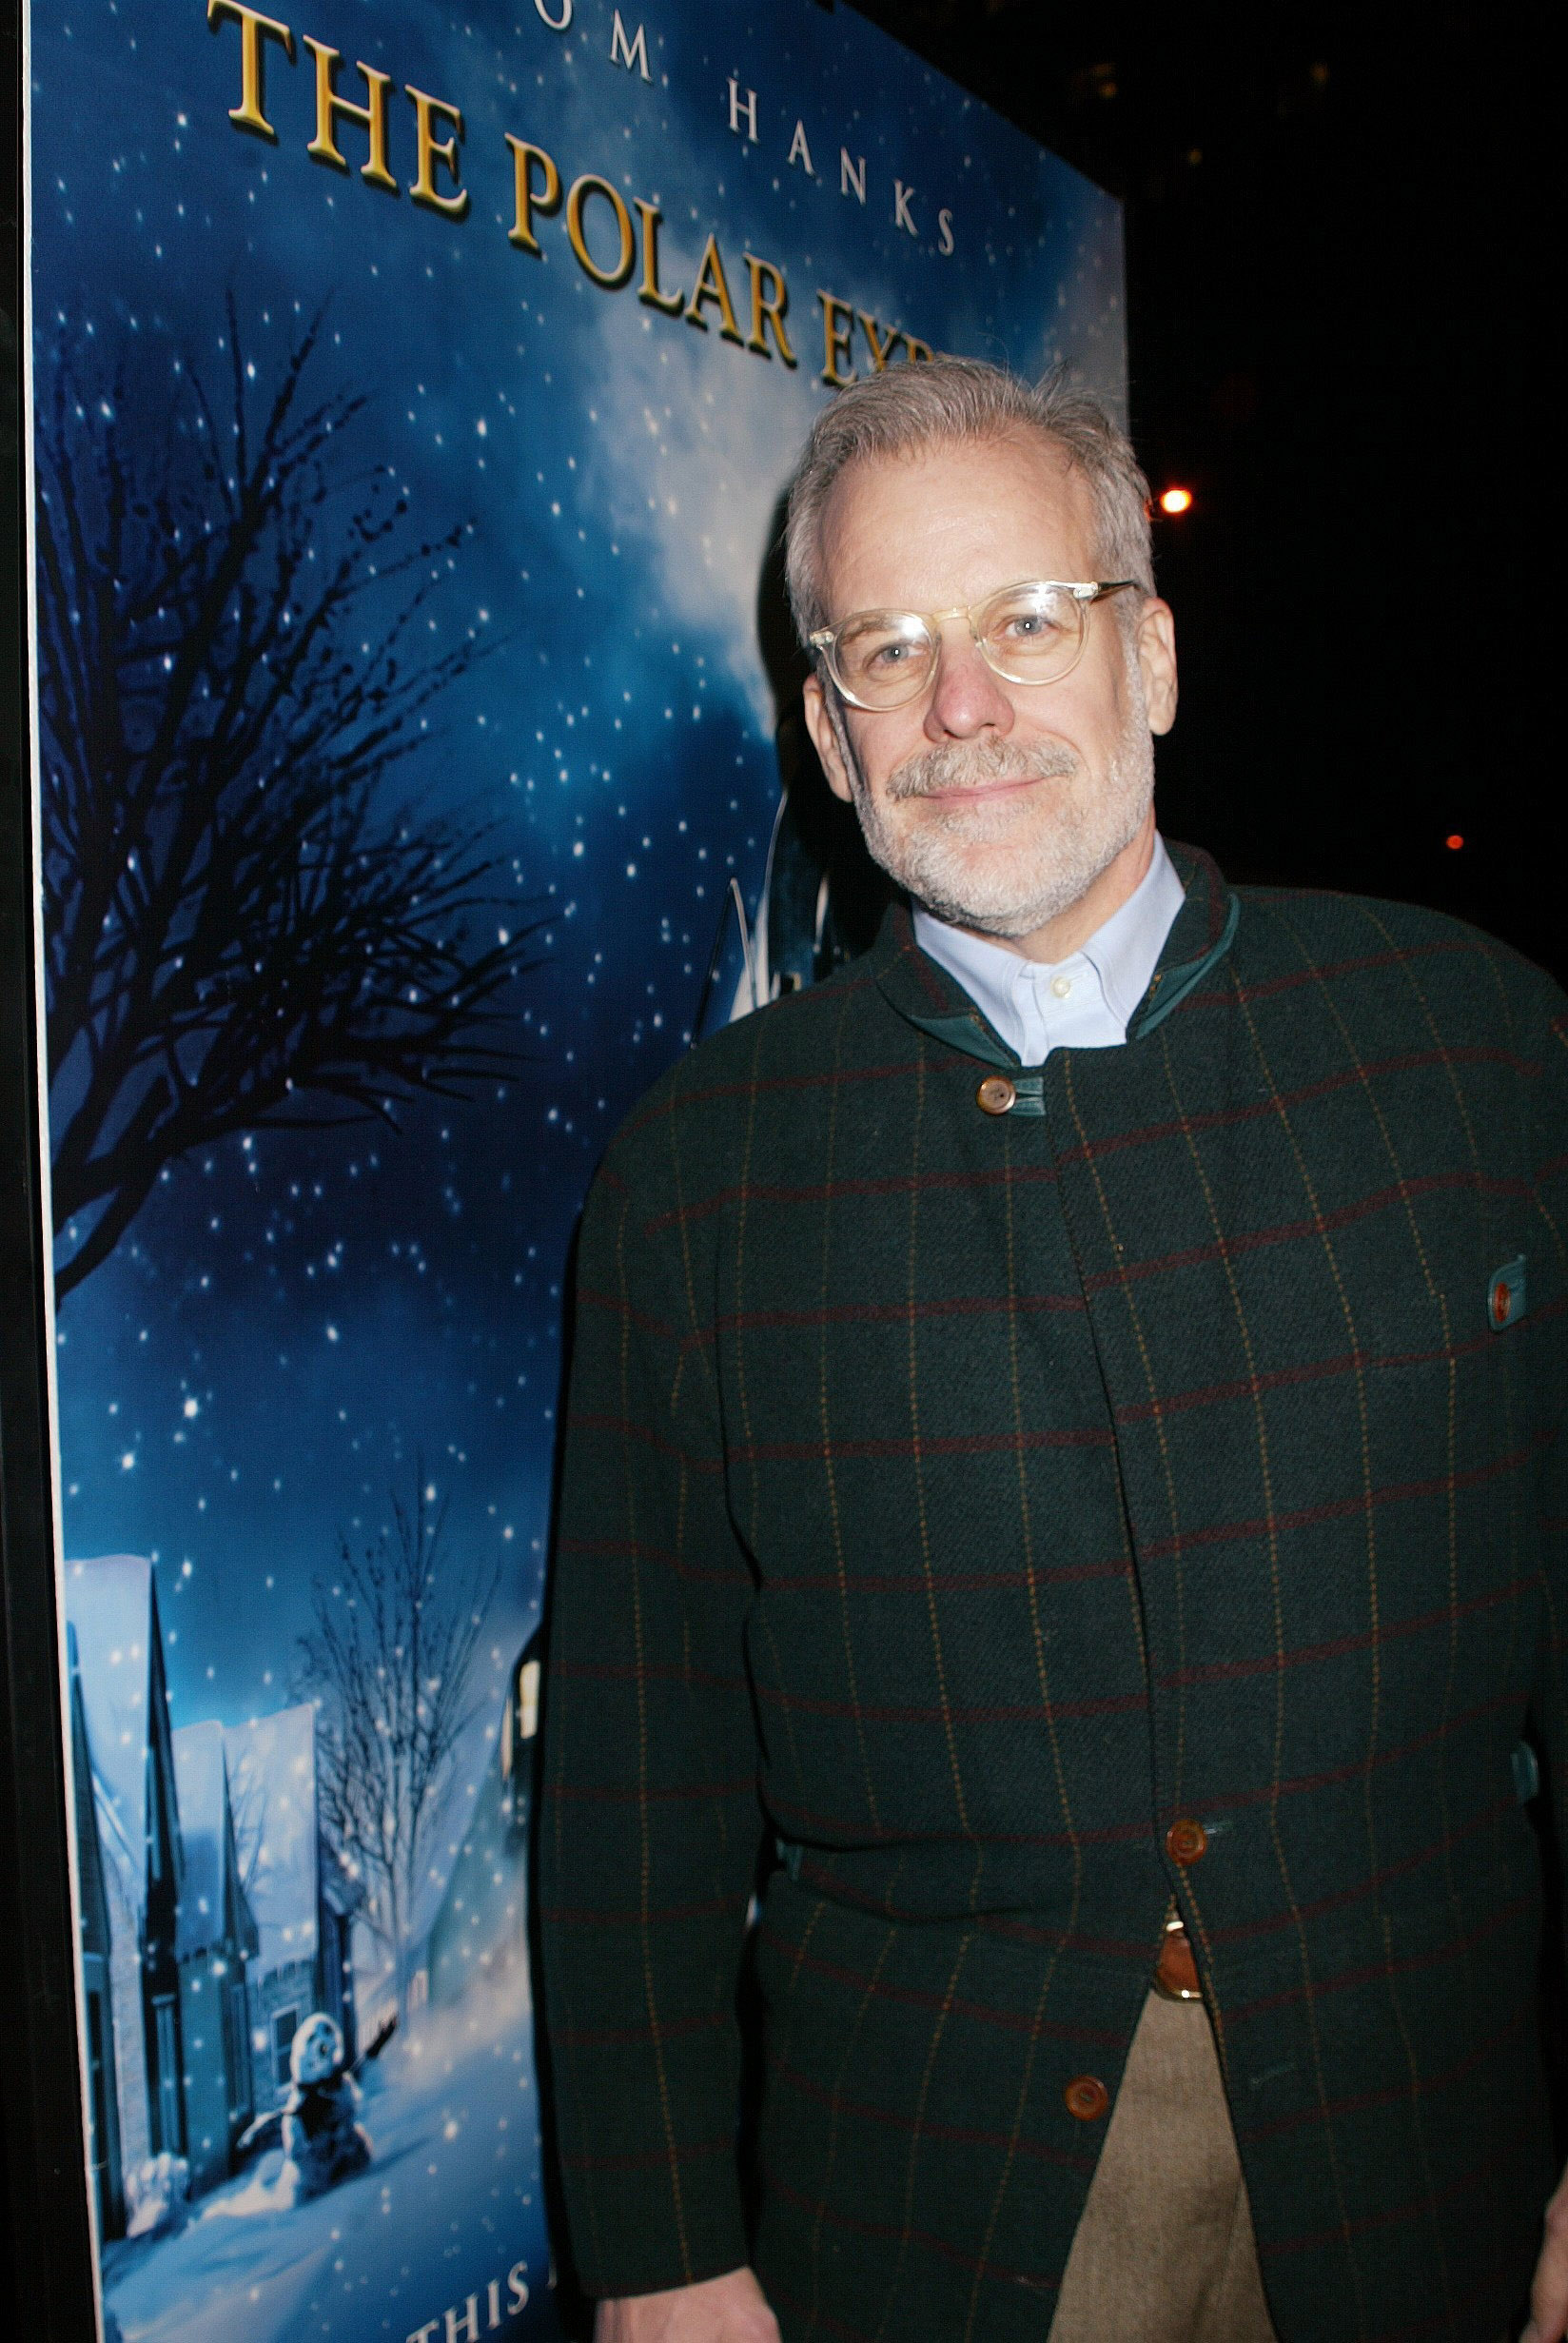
(110, 1604)
(273, 1783)
(202, 1781)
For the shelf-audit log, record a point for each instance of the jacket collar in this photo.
(928, 997)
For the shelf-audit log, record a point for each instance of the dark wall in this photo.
(1341, 340)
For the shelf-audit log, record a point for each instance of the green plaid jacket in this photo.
(963, 1499)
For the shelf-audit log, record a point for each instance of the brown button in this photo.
(1186, 1841)
(996, 1094)
(1177, 1973)
(1501, 1302)
(1087, 2097)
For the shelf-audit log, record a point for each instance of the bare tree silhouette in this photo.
(387, 1662)
(241, 928)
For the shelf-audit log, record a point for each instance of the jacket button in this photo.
(1087, 2097)
(996, 1094)
(1186, 1842)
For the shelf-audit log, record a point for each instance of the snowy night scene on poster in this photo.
(412, 395)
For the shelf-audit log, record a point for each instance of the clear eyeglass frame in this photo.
(918, 632)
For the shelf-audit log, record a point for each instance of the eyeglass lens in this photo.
(1027, 634)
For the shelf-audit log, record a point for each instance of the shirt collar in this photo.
(1121, 955)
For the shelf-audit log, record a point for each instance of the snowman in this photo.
(323, 2141)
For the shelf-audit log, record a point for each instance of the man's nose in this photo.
(968, 696)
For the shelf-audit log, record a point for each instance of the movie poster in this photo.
(411, 393)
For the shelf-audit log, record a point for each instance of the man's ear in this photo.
(824, 732)
(1156, 647)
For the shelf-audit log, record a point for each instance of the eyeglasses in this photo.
(1031, 633)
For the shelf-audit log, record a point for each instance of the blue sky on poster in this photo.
(293, 1319)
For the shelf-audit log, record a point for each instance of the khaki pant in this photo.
(1164, 2251)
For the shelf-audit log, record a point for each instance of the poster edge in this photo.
(42, 1167)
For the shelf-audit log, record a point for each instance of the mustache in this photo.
(965, 765)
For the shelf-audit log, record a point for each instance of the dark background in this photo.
(1344, 340)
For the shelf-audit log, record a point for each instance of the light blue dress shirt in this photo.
(1081, 1003)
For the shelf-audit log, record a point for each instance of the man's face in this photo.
(997, 805)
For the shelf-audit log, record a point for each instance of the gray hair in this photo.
(958, 400)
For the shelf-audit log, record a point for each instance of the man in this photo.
(1062, 1447)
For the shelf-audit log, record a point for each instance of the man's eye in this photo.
(889, 654)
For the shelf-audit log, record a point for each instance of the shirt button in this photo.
(1060, 986)
(1087, 2097)
(996, 1094)
(1187, 1841)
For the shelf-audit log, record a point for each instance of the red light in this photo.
(1453, 841)
(1176, 501)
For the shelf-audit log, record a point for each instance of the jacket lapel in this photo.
(928, 997)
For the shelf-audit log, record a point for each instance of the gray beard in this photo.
(1026, 892)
